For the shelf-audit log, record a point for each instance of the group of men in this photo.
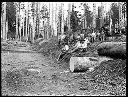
(80, 41)
(80, 45)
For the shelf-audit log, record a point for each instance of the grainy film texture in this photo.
(63, 48)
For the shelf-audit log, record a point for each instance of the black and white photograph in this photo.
(63, 48)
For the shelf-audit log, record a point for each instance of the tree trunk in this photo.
(33, 26)
(20, 29)
(27, 22)
(19, 23)
(69, 14)
(52, 18)
(23, 27)
(62, 25)
(1, 25)
(4, 20)
(115, 50)
(83, 64)
(38, 19)
(17, 16)
(6, 28)
(80, 63)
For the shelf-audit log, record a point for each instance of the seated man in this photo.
(64, 51)
(65, 48)
(85, 44)
(61, 38)
(81, 45)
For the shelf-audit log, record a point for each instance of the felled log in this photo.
(82, 64)
(116, 50)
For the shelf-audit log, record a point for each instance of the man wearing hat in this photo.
(81, 45)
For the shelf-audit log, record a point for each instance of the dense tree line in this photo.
(115, 13)
(74, 20)
(11, 17)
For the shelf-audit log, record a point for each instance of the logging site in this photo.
(63, 48)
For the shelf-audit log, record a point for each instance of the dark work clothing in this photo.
(66, 40)
(80, 50)
(64, 57)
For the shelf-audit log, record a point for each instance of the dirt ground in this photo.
(35, 74)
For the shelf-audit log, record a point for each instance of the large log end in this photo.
(83, 64)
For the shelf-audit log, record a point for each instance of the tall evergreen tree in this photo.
(74, 21)
(11, 17)
(115, 13)
(88, 14)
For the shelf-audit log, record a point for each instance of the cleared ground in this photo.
(35, 74)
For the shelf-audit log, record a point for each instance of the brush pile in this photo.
(47, 47)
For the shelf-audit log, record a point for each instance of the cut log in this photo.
(82, 64)
(116, 50)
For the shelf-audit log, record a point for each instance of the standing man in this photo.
(98, 35)
(102, 34)
(93, 37)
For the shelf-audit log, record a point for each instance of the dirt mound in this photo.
(50, 47)
(47, 47)
(111, 73)
(109, 70)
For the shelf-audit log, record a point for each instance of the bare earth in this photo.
(34, 74)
